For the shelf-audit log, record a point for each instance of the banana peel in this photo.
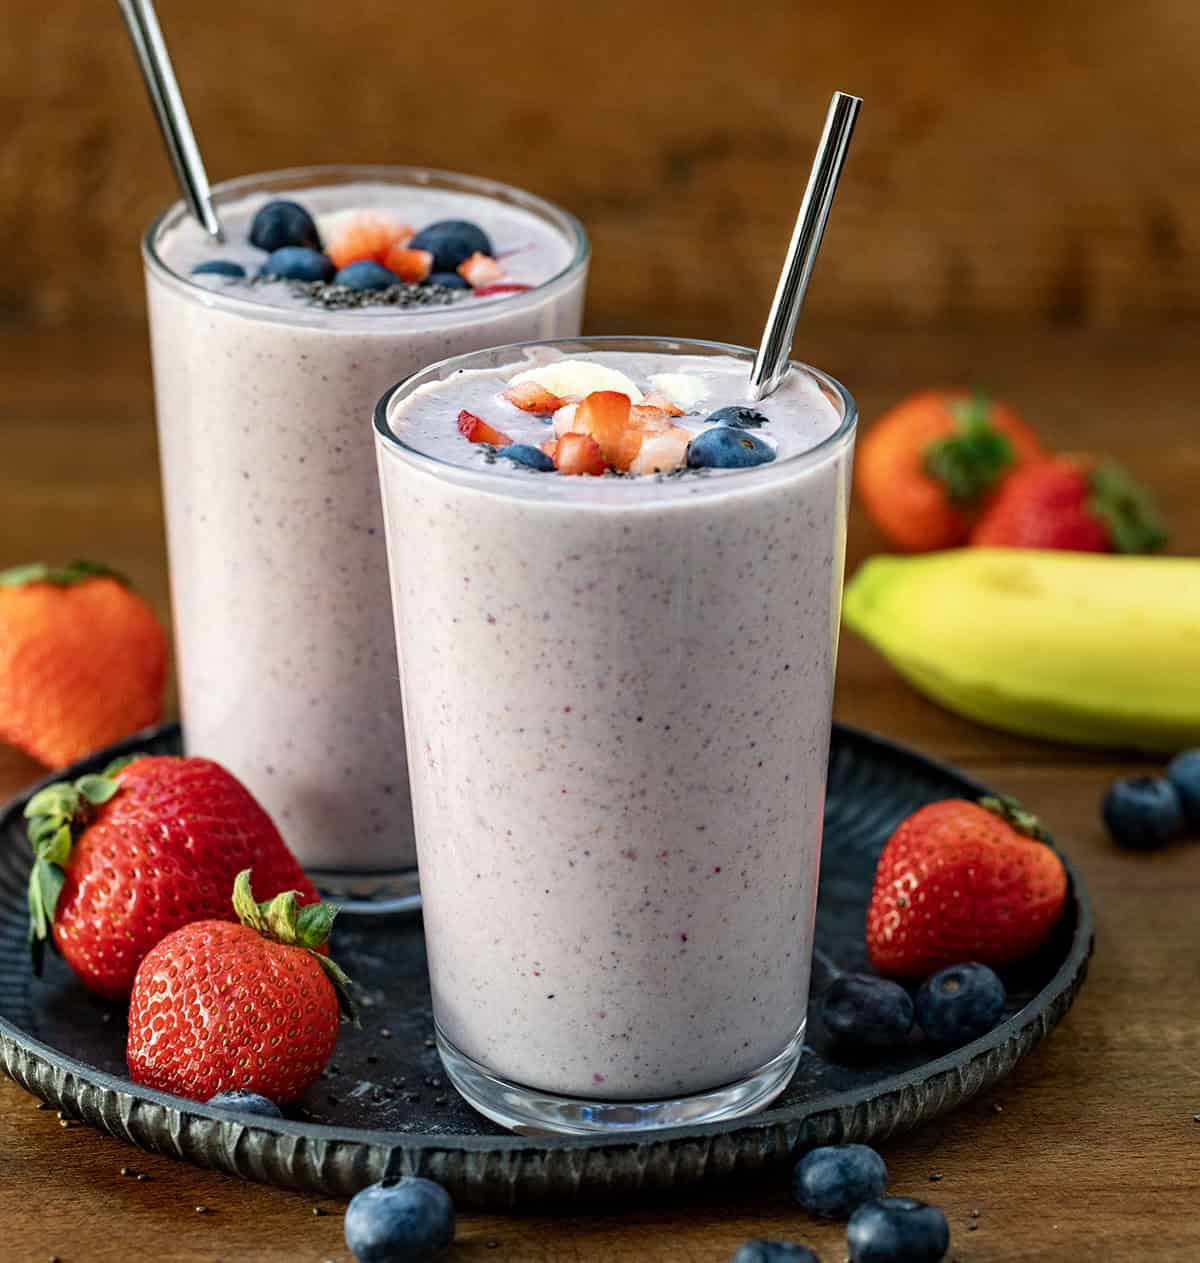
(1086, 648)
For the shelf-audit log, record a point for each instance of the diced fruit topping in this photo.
(365, 235)
(525, 454)
(505, 287)
(578, 454)
(299, 263)
(447, 280)
(573, 379)
(604, 414)
(723, 447)
(219, 267)
(550, 447)
(530, 397)
(365, 274)
(480, 270)
(655, 399)
(409, 263)
(662, 451)
(283, 223)
(451, 242)
(740, 418)
(476, 430)
(685, 389)
(564, 419)
(647, 417)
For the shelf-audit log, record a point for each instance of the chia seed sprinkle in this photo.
(332, 297)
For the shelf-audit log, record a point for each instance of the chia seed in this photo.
(330, 297)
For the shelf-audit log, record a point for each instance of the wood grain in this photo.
(1014, 163)
(1092, 1152)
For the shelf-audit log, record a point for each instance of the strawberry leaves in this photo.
(1127, 509)
(60, 576)
(53, 814)
(1017, 817)
(970, 460)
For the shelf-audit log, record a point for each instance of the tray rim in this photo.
(1057, 994)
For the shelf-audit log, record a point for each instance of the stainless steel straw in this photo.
(170, 111)
(770, 364)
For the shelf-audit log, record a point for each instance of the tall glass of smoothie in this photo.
(617, 586)
(268, 353)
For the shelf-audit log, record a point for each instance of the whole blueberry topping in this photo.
(959, 1004)
(738, 417)
(1183, 772)
(833, 1180)
(410, 1219)
(774, 1252)
(897, 1230)
(447, 280)
(1143, 813)
(525, 454)
(298, 263)
(366, 274)
(727, 448)
(283, 223)
(218, 267)
(451, 242)
(243, 1102)
(861, 1011)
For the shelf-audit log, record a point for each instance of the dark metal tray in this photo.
(385, 1108)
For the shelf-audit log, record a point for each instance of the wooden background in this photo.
(1016, 162)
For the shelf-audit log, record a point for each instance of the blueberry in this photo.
(897, 1230)
(280, 224)
(959, 1004)
(243, 1102)
(366, 274)
(451, 242)
(835, 1179)
(298, 263)
(1183, 772)
(861, 1011)
(448, 280)
(727, 448)
(218, 267)
(738, 417)
(1143, 812)
(524, 454)
(407, 1220)
(774, 1252)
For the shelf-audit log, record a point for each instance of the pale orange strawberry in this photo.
(605, 415)
(409, 265)
(366, 236)
(656, 400)
(578, 454)
(480, 270)
(476, 430)
(530, 397)
(650, 418)
(662, 451)
(550, 447)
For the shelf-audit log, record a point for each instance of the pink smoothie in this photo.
(284, 642)
(618, 699)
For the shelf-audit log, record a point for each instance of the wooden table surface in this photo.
(1093, 1153)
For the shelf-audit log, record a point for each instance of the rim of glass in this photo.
(729, 481)
(347, 173)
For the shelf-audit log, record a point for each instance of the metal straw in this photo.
(770, 364)
(170, 111)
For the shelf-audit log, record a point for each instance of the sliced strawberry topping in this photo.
(660, 402)
(508, 287)
(662, 451)
(578, 454)
(605, 415)
(367, 236)
(530, 397)
(650, 418)
(409, 265)
(480, 269)
(476, 430)
(550, 447)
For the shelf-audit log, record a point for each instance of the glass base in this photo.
(369, 894)
(530, 1112)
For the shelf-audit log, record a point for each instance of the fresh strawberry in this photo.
(606, 416)
(82, 660)
(1062, 504)
(124, 858)
(476, 430)
(661, 403)
(578, 454)
(530, 397)
(366, 235)
(507, 287)
(662, 451)
(550, 448)
(412, 266)
(219, 1006)
(925, 469)
(651, 418)
(480, 270)
(962, 881)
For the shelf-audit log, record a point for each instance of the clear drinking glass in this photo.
(284, 645)
(618, 697)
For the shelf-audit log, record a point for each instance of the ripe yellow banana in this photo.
(1085, 648)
